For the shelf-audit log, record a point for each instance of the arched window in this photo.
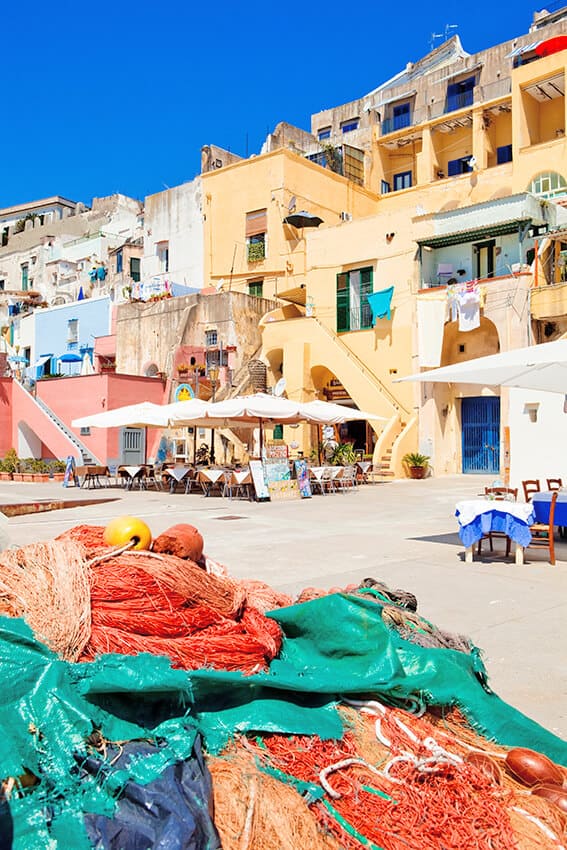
(548, 184)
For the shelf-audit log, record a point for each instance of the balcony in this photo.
(256, 252)
(499, 88)
(401, 122)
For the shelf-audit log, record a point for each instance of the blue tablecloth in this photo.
(541, 502)
(496, 519)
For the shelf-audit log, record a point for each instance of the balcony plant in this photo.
(343, 455)
(256, 252)
(417, 464)
(183, 369)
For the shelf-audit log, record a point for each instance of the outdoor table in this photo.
(95, 476)
(364, 466)
(131, 474)
(176, 474)
(480, 516)
(209, 478)
(541, 502)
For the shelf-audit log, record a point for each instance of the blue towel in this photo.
(380, 303)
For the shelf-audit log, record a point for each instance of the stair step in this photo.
(387, 473)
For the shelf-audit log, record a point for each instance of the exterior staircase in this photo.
(39, 417)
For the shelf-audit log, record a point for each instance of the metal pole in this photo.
(214, 388)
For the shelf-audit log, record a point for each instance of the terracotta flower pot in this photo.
(417, 471)
(5, 476)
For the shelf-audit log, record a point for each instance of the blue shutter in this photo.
(504, 154)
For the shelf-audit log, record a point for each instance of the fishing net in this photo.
(48, 584)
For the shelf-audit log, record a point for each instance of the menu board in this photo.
(278, 478)
(259, 479)
(302, 476)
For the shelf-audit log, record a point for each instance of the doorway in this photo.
(480, 424)
(485, 259)
(133, 450)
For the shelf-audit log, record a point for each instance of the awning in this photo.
(403, 96)
(297, 295)
(458, 237)
(41, 360)
(524, 49)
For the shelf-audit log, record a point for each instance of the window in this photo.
(162, 250)
(135, 269)
(402, 180)
(2, 284)
(353, 309)
(548, 184)
(72, 332)
(25, 276)
(256, 287)
(401, 115)
(385, 187)
(460, 94)
(211, 338)
(5, 232)
(256, 229)
(459, 166)
(349, 126)
(503, 154)
(119, 261)
(324, 133)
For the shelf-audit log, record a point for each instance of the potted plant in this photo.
(58, 470)
(343, 455)
(417, 464)
(25, 470)
(9, 465)
(183, 369)
(40, 471)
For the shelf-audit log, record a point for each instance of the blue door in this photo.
(480, 421)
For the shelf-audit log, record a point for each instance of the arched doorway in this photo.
(329, 388)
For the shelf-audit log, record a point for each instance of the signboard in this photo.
(278, 450)
(302, 476)
(260, 486)
(70, 472)
(278, 477)
(184, 392)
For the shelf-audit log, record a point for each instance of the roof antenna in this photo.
(434, 35)
(448, 28)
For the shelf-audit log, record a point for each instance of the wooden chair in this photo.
(554, 483)
(499, 494)
(542, 533)
(531, 486)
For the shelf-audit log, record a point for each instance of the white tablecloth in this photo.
(469, 509)
(178, 472)
(212, 475)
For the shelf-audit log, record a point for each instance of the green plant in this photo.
(10, 461)
(343, 455)
(415, 459)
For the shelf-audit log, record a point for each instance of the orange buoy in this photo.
(125, 529)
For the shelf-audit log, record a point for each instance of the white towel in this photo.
(431, 313)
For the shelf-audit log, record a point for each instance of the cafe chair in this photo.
(500, 494)
(153, 476)
(531, 486)
(554, 483)
(542, 533)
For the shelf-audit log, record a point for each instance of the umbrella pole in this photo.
(261, 440)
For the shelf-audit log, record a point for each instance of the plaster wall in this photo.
(175, 217)
(537, 449)
(51, 325)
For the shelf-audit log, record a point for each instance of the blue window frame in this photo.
(458, 166)
(325, 133)
(349, 126)
(119, 261)
(402, 180)
(460, 94)
(401, 115)
(385, 187)
(504, 154)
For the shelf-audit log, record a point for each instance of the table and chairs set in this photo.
(528, 524)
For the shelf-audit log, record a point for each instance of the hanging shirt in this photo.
(469, 310)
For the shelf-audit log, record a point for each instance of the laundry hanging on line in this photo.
(381, 303)
(465, 302)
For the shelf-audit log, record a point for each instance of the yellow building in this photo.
(465, 167)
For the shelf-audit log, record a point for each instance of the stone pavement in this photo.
(400, 532)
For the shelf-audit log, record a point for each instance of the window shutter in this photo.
(256, 222)
(343, 315)
(366, 286)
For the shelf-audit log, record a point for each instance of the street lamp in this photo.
(213, 378)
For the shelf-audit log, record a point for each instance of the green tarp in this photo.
(333, 646)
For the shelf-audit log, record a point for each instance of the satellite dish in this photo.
(280, 387)
(292, 204)
(220, 285)
(472, 162)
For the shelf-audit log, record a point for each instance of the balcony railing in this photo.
(256, 252)
(499, 88)
(400, 122)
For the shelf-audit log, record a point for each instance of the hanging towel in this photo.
(469, 310)
(431, 314)
(380, 304)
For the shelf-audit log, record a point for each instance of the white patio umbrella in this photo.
(135, 415)
(327, 413)
(537, 367)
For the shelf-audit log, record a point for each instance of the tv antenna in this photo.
(445, 35)
(292, 204)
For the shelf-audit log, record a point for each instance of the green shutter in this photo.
(365, 289)
(343, 305)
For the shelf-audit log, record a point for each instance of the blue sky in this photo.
(120, 97)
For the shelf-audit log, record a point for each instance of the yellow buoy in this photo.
(123, 529)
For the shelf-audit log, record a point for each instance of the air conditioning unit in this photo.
(346, 216)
